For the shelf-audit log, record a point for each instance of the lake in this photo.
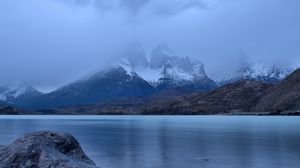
(173, 141)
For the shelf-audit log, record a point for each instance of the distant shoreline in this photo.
(83, 116)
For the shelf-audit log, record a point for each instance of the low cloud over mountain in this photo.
(49, 43)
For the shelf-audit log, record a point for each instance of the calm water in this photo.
(173, 141)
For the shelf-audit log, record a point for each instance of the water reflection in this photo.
(176, 142)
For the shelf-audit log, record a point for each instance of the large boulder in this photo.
(44, 149)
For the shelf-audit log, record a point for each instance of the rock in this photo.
(45, 149)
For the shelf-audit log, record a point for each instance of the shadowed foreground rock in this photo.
(44, 149)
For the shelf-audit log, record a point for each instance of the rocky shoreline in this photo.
(45, 149)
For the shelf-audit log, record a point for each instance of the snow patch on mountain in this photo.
(9, 92)
(260, 71)
(164, 65)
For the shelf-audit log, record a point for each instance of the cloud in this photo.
(174, 7)
(52, 42)
(137, 7)
(134, 6)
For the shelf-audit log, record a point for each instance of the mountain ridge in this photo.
(241, 97)
(133, 74)
(101, 86)
(245, 97)
(128, 78)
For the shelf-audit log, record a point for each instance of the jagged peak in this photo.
(176, 68)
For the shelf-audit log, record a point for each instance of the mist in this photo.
(49, 43)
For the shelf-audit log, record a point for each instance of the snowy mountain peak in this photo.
(133, 71)
(260, 71)
(10, 92)
(163, 66)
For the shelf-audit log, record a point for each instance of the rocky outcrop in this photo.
(44, 149)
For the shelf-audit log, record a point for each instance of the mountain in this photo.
(283, 97)
(259, 71)
(231, 98)
(18, 94)
(132, 75)
(112, 83)
(249, 96)
(165, 70)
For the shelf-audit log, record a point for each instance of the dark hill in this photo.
(283, 97)
(236, 97)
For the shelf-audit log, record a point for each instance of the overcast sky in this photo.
(51, 42)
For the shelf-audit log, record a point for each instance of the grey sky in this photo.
(51, 42)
